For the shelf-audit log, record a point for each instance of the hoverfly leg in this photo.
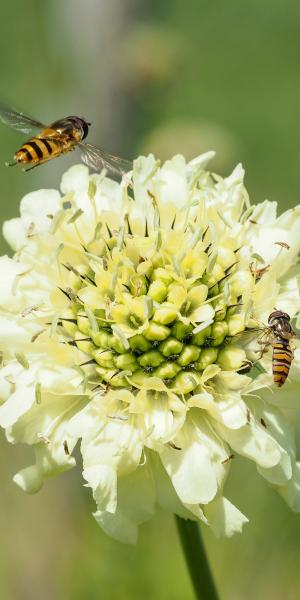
(30, 168)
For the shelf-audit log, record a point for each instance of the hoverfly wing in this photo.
(98, 159)
(18, 120)
(255, 335)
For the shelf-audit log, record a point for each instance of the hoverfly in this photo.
(60, 137)
(278, 334)
(279, 326)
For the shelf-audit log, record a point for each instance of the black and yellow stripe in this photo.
(38, 149)
(281, 360)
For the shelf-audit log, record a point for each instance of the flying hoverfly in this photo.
(60, 137)
(277, 334)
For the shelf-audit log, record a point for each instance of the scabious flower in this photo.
(122, 328)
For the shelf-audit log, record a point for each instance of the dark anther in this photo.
(109, 231)
(208, 248)
(64, 292)
(229, 268)
(204, 233)
(128, 225)
(88, 362)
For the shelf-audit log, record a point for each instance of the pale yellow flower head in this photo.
(124, 319)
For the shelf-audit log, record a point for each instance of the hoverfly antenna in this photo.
(7, 164)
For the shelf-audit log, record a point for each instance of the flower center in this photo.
(137, 311)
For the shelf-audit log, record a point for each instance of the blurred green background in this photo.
(168, 77)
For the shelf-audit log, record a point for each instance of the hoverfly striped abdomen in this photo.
(281, 360)
(38, 149)
(280, 324)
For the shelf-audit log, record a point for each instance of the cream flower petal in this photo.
(253, 442)
(291, 491)
(136, 499)
(190, 468)
(224, 518)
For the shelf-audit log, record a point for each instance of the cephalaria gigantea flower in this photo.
(125, 315)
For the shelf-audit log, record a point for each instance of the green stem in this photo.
(196, 560)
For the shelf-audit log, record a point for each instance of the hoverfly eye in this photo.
(85, 128)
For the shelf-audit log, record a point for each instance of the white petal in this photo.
(224, 518)
(190, 468)
(291, 491)
(13, 335)
(172, 182)
(166, 495)
(29, 479)
(14, 232)
(18, 403)
(254, 442)
(103, 481)
(136, 497)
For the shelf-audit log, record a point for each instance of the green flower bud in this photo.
(231, 358)
(176, 294)
(240, 282)
(106, 374)
(214, 290)
(186, 382)
(151, 359)
(104, 358)
(200, 337)
(85, 346)
(70, 328)
(163, 275)
(236, 324)
(75, 281)
(167, 370)
(156, 332)
(138, 342)
(138, 285)
(111, 242)
(220, 310)
(119, 380)
(158, 291)
(170, 347)
(188, 355)
(116, 344)
(83, 323)
(165, 315)
(219, 331)
(207, 357)
(157, 260)
(100, 338)
(104, 339)
(139, 377)
(211, 279)
(181, 330)
(126, 362)
(145, 268)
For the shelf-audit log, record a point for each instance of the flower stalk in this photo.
(196, 559)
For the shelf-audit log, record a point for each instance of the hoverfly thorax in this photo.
(73, 126)
(280, 323)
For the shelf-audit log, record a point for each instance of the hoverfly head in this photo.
(84, 127)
